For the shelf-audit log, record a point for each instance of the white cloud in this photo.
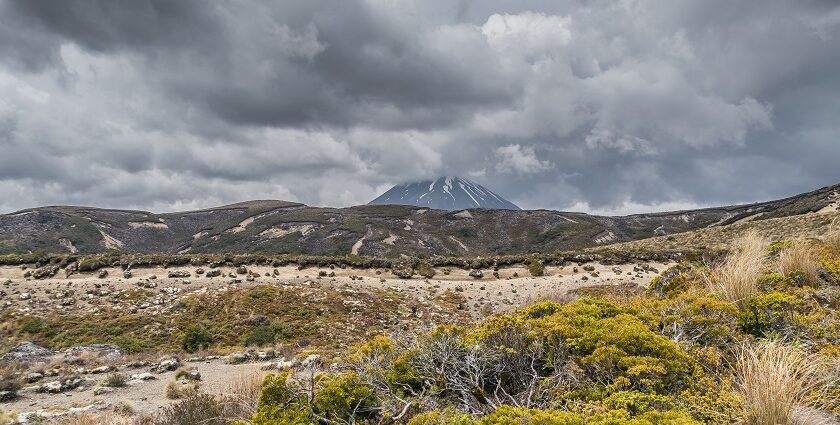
(516, 159)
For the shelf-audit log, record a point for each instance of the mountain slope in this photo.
(444, 193)
(375, 230)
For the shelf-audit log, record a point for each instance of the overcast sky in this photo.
(600, 106)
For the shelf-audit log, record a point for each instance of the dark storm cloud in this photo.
(604, 106)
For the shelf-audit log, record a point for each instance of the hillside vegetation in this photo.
(382, 231)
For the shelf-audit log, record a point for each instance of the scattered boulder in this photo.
(238, 358)
(127, 274)
(45, 272)
(167, 365)
(103, 274)
(33, 377)
(213, 273)
(476, 274)
(102, 390)
(27, 352)
(178, 274)
(402, 271)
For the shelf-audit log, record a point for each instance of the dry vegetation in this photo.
(752, 337)
(736, 277)
(776, 379)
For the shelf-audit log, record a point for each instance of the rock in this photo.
(249, 278)
(141, 377)
(191, 375)
(402, 271)
(285, 364)
(45, 272)
(313, 360)
(33, 377)
(25, 296)
(477, 274)
(265, 355)
(7, 396)
(238, 358)
(101, 350)
(213, 273)
(100, 369)
(178, 274)
(103, 274)
(127, 274)
(167, 365)
(199, 271)
(242, 270)
(102, 390)
(27, 352)
(56, 387)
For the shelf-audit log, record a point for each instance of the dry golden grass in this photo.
(735, 279)
(805, 226)
(776, 381)
(801, 259)
(90, 419)
(832, 237)
(239, 402)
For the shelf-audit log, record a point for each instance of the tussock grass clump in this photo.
(777, 380)
(177, 390)
(115, 380)
(832, 237)
(799, 260)
(735, 279)
(239, 402)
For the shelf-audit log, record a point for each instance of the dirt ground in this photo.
(512, 288)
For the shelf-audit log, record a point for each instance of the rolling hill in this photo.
(376, 230)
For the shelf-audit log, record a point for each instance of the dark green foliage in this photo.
(196, 338)
(32, 325)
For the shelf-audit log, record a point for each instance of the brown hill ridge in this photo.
(378, 230)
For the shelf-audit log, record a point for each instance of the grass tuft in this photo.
(799, 260)
(778, 380)
(735, 279)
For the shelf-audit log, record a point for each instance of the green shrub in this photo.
(196, 338)
(536, 268)
(769, 313)
(130, 344)
(281, 402)
(32, 324)
(260, 336)
(425, 269)
(344, 398)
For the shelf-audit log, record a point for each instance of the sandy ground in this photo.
(146, 397)
(514, 287)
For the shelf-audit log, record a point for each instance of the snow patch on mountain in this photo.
(445, 193)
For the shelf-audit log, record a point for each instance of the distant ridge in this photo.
(444, 193)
